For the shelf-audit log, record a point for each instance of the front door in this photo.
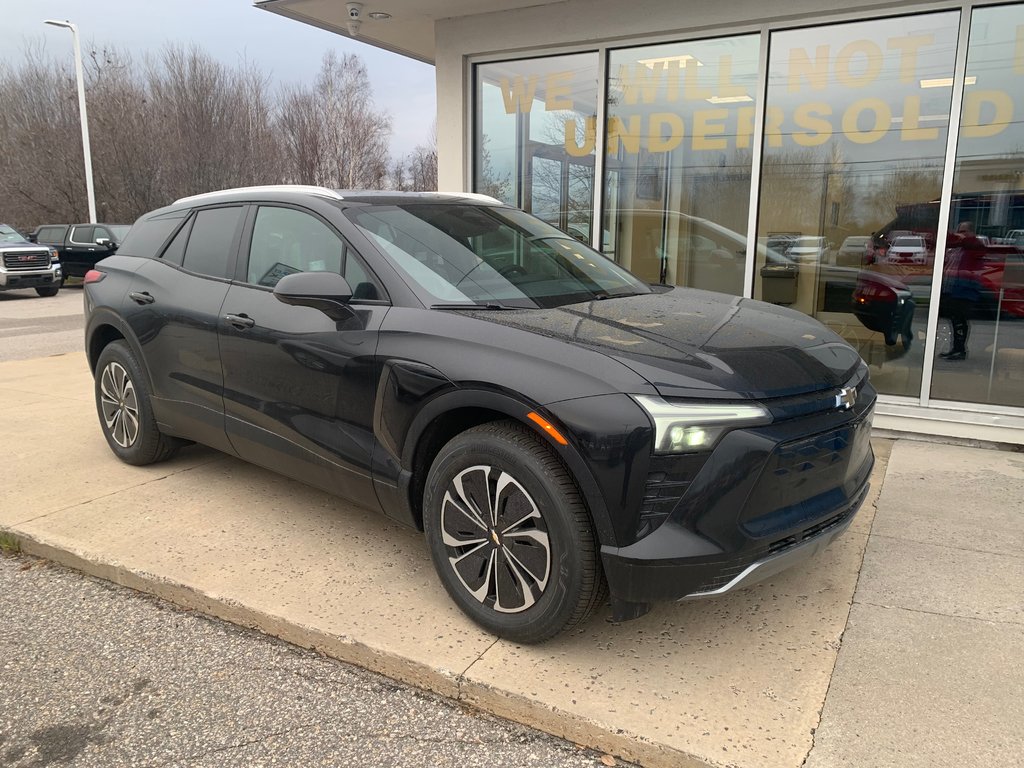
(299, 386)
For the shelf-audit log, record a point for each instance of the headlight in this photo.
(683, 427)
(54, 256)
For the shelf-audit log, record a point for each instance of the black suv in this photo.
(552, 423)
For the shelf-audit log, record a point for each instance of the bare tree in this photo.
(333, 134)
(178, 123)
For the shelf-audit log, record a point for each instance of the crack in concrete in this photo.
(940, 613)
(214, 460)
(1019, 556)
(460, 679)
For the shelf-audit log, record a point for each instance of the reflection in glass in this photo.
(855, 136)
(536, 127)
(677, 189)
(980, 350)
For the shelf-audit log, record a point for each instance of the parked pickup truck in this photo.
(25, 265)
(80, 246)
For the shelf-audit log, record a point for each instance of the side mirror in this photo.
(327, 291)
(31, 237)
(105, 242)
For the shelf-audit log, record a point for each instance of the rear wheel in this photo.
(509, 534)
(126, 416)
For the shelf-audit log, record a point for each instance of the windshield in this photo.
(466, 254)
(9, 235)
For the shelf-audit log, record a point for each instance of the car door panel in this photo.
(299, 390)
(174, 315)
(299, 386)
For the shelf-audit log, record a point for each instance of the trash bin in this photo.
(778, 283)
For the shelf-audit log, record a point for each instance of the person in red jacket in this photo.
(965, 256)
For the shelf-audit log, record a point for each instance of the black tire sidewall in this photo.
(558, 603)
(147, 447)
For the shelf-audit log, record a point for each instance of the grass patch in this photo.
(9, 545)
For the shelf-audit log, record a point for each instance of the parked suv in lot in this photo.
(552, 423)
(80, 246)
(24, 265)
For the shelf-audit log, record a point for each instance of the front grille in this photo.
(18, 261)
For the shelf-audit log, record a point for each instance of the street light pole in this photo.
(80, 77)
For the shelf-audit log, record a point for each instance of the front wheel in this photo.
(48, 292)
(126, 416)
(509, 534)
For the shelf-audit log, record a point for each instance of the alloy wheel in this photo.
(119, 404)
(496, 539)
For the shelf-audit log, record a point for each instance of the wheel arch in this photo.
(454, 412)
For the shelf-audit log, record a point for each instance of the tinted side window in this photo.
(213, 235)
(51, 235)
(285, 241)
(82, 235)
(147, 237)
(175, 251)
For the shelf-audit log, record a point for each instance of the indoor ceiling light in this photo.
(728, 99)
(683, 60)
(379, 15)
(945, 82)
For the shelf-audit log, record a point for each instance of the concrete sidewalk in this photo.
(741, 680)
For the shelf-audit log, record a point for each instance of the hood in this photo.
(691, 343)
(24, 247)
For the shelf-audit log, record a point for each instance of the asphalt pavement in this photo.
(97, 675)
(37, 326)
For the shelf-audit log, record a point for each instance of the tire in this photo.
(125, 413)
(532, 570)
(48, 292)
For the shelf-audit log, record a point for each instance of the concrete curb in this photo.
(479, 696)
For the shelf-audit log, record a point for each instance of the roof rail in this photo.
(475, 196)
(321, 191)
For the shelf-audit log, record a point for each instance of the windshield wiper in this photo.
(471, 306)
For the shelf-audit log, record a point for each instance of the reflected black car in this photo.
(559, 429)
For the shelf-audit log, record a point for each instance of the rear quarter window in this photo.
(148, 236)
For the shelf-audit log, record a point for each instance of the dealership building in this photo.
(864, 166)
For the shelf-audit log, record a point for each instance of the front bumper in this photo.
(10, 281)
(764, 499)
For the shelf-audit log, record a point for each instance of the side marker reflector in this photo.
(548, 427)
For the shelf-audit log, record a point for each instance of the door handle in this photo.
(241, 322)
(141, 298)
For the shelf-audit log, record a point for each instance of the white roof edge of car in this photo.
(322, 191)
(474, 196)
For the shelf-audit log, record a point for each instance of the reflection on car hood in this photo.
(695, 343)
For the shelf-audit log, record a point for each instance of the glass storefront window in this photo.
(678, 169)
(856, 124)
(536, 129)
(980, 345)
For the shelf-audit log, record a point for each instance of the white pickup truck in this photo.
(27, 265)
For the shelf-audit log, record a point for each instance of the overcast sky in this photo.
(288, 51)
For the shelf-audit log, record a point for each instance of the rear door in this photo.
(174, 306)
(79, 254)
(299, 386)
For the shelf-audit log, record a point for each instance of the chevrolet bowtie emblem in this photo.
(846, 398)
